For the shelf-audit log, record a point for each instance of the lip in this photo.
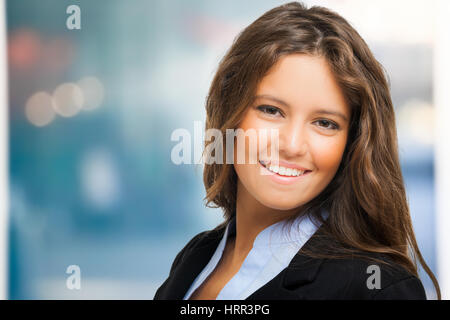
(283, 179)
(286, 165)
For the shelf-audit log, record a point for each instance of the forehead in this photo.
(303, 81)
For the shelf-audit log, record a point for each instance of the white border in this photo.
(442, 151)
(4, 196)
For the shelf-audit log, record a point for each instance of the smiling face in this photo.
(301, 99)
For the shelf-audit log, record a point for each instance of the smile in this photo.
(284, 175)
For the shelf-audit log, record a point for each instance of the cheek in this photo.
(327, 152)
(253, 126)
(248, 172)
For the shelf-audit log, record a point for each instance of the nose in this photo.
(293, 140)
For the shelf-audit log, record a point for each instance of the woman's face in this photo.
(300, 98)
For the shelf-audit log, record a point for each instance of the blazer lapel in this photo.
(287, 285)
(190, 266)
(302, 270)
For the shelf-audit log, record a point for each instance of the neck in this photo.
(252, 217)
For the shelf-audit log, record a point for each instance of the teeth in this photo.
(274, 169)
(282, 171)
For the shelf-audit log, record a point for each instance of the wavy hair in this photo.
(366, 200)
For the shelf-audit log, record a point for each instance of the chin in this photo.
(286, 205)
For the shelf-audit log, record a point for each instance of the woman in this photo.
(335, 184)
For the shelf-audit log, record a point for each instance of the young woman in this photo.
(328, 217)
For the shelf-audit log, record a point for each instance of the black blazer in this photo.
(304, 278)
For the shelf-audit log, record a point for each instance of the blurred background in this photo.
(92, 110)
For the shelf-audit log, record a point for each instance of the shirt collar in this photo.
(303, 227)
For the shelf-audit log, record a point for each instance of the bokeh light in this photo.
(39, 109)
(24, 48)
(416, 121)
(93, 92)
(99, 179)
(68, 99)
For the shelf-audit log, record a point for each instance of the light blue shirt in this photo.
(272, 251)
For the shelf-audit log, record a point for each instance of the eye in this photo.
(326, 124)
(269, 110)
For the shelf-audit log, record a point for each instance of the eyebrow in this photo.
(321, 111)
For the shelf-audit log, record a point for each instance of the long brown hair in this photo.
(366, 200)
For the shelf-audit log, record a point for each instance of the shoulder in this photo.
(344, 272)
(370, 276)
(197, 241)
